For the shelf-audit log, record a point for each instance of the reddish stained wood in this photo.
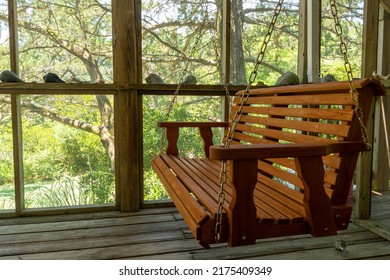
(242, 210)
(207, 136)
(172, 134)
(317, 204)
(192, 124)
(260, 151)
(275, 134)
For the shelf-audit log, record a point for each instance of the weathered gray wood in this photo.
(287, 248)
(85, 216)
(152, 235)
(313, 40)
(358, 251)
(302, 42)
(381, 152)
(127, 70)
(87, 243)
(115, 252)
(386, 5)
(374, 226)
(370, 37)
(369, 63)
(80, 233)
(70, 225)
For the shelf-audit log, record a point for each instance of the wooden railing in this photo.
(128, 139)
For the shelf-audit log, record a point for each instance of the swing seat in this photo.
(290, 165)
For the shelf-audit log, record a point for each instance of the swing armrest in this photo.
(242, 171)
(192, 124)
(172, 133)
(277, 150)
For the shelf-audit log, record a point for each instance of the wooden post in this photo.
(128, 109)
(381, 160)
(317, 204)
(386, 5)
(313, 40)
(242, 210)
(16, 111)
(226, 29)
(302, 42)
(369, 62)
(370, 37)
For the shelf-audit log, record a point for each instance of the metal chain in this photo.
(348, 69)
(182, 75)
(185, 70)
(237, 117)
(222, 78)
(217, 59)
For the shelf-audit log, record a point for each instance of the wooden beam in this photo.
(302, 42)
(381, 158)
(370, 37)
(226, 18)
(386, 5)
(16, 111)
(13, 35)
(128, 122)
(313, 40)
(384, 42)
(369, 63)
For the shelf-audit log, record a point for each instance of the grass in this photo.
(65, 191)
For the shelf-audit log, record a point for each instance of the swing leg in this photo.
(242, 211)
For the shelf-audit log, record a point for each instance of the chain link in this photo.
(237, 117)
(182, 75)
(219, 67)
(348, 69)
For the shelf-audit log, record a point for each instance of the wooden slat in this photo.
(149, 237)
(281, 212)
(192, 124)
(281, 135)
(280, 188)
(320, 88)
(191, 180)
(281, 174)
(320, 137)
(312, 113)
(317, 127)
(239, 136)
(192, 212)
(314, 99)
(296, 211)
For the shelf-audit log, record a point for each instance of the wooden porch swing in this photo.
(286, 166)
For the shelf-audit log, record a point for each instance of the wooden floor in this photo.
(162, 234)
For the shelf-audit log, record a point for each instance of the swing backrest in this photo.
(306, 113)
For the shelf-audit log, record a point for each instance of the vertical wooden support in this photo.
(369, 62)
(370, 37)
(386, 5)
(242, 210)
(128, 122)
(317, 204)
(207, 136)
(302, 42)
(226, 29)
(16, 110)
(18, 153)
(13, 35)
(313, 40)
(381, 159)
(172, 134)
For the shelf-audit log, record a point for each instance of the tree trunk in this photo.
(237, 53)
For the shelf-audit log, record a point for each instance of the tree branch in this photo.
(47, 113)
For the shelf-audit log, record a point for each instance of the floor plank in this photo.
(157, 234)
